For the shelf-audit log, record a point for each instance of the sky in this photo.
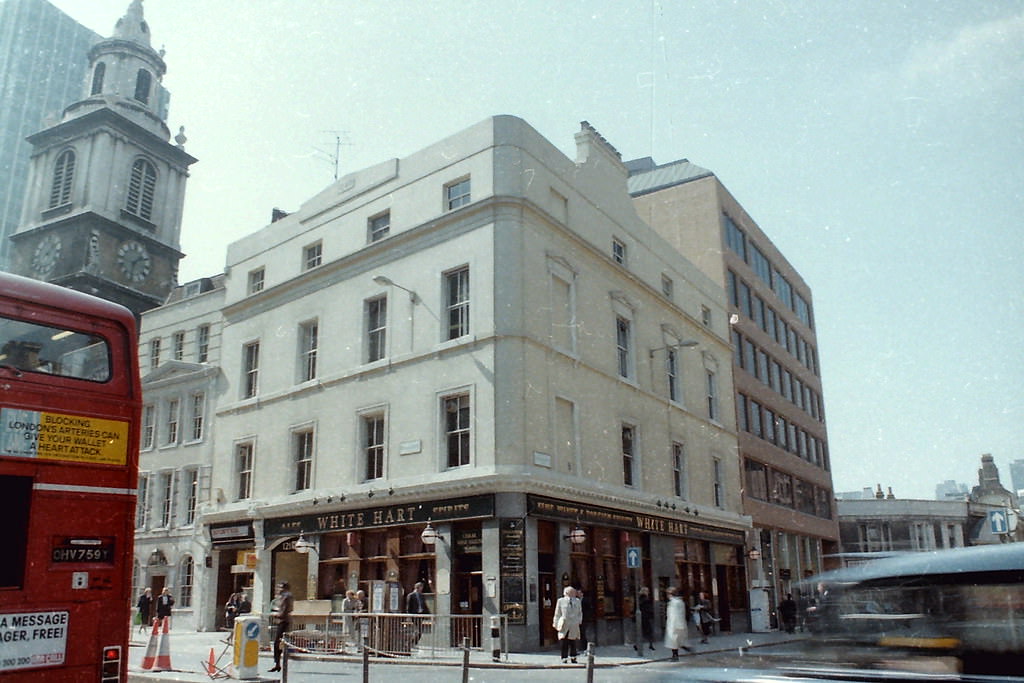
(878, 144)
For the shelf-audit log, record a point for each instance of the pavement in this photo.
(190, 650)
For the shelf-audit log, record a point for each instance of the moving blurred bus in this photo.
(70, 400)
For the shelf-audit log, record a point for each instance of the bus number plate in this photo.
(83, 550)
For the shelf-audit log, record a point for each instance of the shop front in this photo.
(234, 558)
(609, 554)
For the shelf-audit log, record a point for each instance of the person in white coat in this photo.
(567, 620)
(676, 627)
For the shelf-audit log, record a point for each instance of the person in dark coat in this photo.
(787, 611)
(645, 605)
(145, 605)
(282, 613)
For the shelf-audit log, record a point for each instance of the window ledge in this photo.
(57, 210)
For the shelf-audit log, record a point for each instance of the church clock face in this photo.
(46, 255)
(133, 259)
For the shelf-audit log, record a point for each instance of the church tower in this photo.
(106, 187)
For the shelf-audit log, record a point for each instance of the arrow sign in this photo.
(997, 521)
(633, 557)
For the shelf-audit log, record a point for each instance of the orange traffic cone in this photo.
(211, 666)
(163, 658)
(150, 659)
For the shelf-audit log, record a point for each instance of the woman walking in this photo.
(676, 629)
(567, 620)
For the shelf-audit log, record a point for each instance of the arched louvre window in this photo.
(142, 82)
(186, 575)
(63, 173)
(141, 189)
(97, 78)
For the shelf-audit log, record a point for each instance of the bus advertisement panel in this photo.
(70, 401)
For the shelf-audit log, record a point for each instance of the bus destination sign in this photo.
(68, 550)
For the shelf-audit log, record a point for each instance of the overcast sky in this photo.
(879, 144)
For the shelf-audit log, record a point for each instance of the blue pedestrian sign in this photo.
(997, 522)
(633, 557)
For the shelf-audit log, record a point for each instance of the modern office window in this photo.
(755, 417)
(679, 484)
(623, 346)
(768, 425)
(178, 345)
(63, 175)
(667, 286)
(711, 382)
(456, 194)
(198, 410)
(373, 446)
(376, 328)
(148, 425)
(171, 428)
(759, 263)
(762, 366)
(672, 374)
(154, 353)
(309, 339)
(744, 299)
(457, 302)
(190, 484)
(250, 369)
(457, 429)
(742, 413)
(186, 578)
(378, 227)
(735, 237)
(256, 280)
(243, 470)
(716, 482)
(312, 256)
(141, 189)
(628, 454)
(619, 251)
(166, 499)
(142, 503)
(756, 479)
(303, 448)
(203, 343)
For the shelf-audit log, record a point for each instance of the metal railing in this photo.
(418, 636)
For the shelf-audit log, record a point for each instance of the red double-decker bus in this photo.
(70, 400)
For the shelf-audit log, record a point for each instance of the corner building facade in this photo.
(780, 415)
(480, 338)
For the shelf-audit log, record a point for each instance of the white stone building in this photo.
(482, 337)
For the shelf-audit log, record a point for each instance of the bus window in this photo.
(31, 347)
(15, 493)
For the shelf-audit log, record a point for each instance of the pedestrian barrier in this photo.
(417, 636)
(149, 660)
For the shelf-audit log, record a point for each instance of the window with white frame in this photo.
(309, 340)
(376, 328)
(312, 256)
(250, 369)
(190, 485)
(619, 251)
(716, 482)
(148, 425)
(256, 279)
(378, 227)
(628, 454)
(623, 346)
(303, 445)
(197, 411)
(373, 446)
(171, 427)
(166, 499)
(142, 502)
(178, 345)
(457, 302)
(186, 578)
(672, 374)
(679, 483)
(711, 384)
(243, 470)
(456, 194)
(154, 353)
(456, 429)
(203, 343)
